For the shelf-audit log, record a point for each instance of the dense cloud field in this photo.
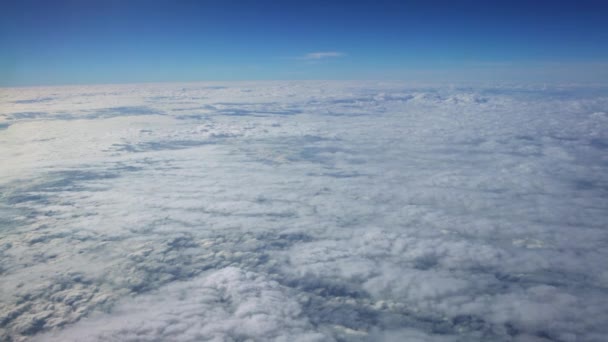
(304, 211)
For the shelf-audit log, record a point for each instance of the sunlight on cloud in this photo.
(305, 211)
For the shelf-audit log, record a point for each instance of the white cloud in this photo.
(227, 304)
(303, 210)
(322, 55)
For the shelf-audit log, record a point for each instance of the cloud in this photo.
(38, 100)
(322, 55)
(227, 304)
(313, 211)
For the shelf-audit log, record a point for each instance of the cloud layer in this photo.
(307, 211)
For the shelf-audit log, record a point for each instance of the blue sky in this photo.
(76, 42)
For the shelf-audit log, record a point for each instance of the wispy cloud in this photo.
(322, 55)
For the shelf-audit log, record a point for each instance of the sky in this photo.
(83, 42)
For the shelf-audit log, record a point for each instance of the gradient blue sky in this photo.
(88, 41)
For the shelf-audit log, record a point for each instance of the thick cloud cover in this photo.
(304, 211)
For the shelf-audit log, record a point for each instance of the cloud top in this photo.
(303, 211)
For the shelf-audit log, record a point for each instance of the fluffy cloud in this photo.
(227, 304)
(311, 211)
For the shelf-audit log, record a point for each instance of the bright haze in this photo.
(304, 171)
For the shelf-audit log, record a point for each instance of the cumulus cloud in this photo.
(312, 211)
(227, 304)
